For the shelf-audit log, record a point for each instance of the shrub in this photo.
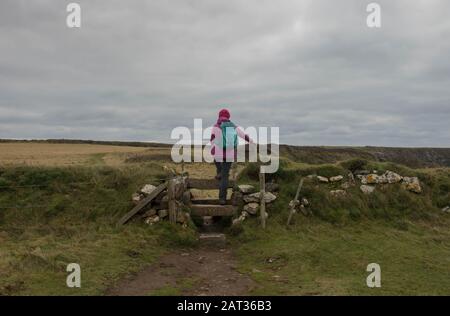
(354, 164)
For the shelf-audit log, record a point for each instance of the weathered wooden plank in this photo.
(207, 184)
(142, 204)
(212, 210)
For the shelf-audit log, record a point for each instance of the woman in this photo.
(224, 139)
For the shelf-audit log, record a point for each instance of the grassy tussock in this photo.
(389, 202)
(327, 253)
(54, 216)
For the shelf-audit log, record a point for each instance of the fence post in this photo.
(293, 204)
(172, 201)
(182, 161)
(262, 208)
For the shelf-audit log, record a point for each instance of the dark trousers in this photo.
(223, 169)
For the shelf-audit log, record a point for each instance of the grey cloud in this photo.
(137, 69)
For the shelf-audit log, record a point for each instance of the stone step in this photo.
(208, 201)
(212, 239)
(212, 210)
(206, 184)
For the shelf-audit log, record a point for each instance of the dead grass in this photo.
(40, 154)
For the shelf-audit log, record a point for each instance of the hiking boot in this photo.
(222, 202)
(218, 177)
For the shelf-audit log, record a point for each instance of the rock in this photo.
(149, 213)
(305, 202)
(240, 219)
(337, 193)
(367, 189)
(371, 179)
(392, 177)
(246, 188)
(311, 176)
(293, 204)
(389, 177)
(304, 211)
(368, 179)
(251, 208)
(446, 209)
(236, 221)
(336, 178)
(382, 179)
(322, 179)
(182, 217)
(136, 197)
(147, 189)
(272, 187)
(237, 199)
(254, 197)
(412, 184)
(163, 213)
(152, 220)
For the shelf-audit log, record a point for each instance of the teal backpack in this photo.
(229, 136)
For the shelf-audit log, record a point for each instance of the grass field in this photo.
(317, 258)
(59, 204)
(41, 154)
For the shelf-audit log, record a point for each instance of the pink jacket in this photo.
(221, 154)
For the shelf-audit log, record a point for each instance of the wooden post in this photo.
(172, 201)
(262, 208)
(182, 161)
(294, 202)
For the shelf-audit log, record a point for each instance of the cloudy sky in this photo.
(137, 69)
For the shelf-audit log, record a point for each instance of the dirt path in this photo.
(203, 271)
